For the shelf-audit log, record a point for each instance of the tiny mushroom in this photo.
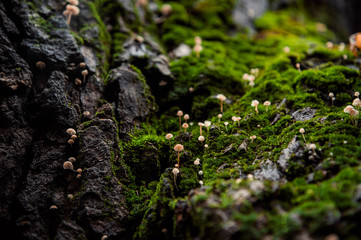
(180, 114)
(200, 172)
(255, 104)
(197, 162)
(185, 126)
(70, 10)
(166, 9)
(169, 136)
(222, 98)
(226, 124)
(84, 73)
(73, 2)
(186, 117)
(201, 139)
(70, 131)
(198, 40)
(267, 104)
(53, 207)
(357, 94)
(71, 159)
(178, 148)
(41, 65)
(71, 141)
(302, 131)
(68, 165)
(219, 117)
(298, 66)
(77, 82)
(207, 124)
(252, 138)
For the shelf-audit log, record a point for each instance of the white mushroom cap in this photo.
(302, 130)
(73, 2)
(357, 94)
(179, 113)
(221, 97)
(356, 102)
(201, 138)
(185, 125)
(207, 123)
(200, 172)
(198, 40)
(200, 124)
(348, 108)
(197, 162)
(234, 118)
(175, 170)
(354, 112)
(70, 131)
(252, 137)
(267, 103)
(169, 136)
(186, 117)
(219, 115)
(178, 147)
(331, 95)
(312, 146)
(72, 9)
(226, 123)
(254, 103)
(197, 48)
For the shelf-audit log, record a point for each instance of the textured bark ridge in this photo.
(38, 104)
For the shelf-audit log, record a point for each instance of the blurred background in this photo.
(341, 16)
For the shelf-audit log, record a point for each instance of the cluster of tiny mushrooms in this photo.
(355, 44)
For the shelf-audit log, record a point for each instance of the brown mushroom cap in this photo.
(179, 113)
(72, 9)
(68, 165)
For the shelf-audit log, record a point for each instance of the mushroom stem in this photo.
(221, 106)
(180, 124)
(256, 109)
(175, 181)
(304, 137)
(68, 19)
(178, 159)
(185, 129)
(200, 131)
(266, 108)
(238, 123)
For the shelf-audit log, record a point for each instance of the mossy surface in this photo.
(316, 193)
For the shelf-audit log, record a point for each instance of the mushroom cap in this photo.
(70, 196)
(169, 136)
(245, 76)
(286, 49)
(331, 95)
(79, 170)
(348, 108)
(178, 147)
(200, 182)
(68, 165)
(267, 103)
(53, 207)
(302, 130)
(72, 9)
(166, 9)
(234, 118)
(86, 113)
(238, 118)
(175, 170)
(71, 159)
(254, 103)
(221, 97)
(180, 113)
(219, 115)
(252, 137)
(200, 172)
(357, 94)
(200, 124)
(226, 123)
(312, 146)
(84, 72)
(207, 123)
(186, 117)
(70, 131)
(104, 237)
(185, 125)
(41, 65)
(251, 78)
(205, 145)
(201, 138)
(197, 162)
(71, 141)
(356, 102)
(198, 40)
(73, 2)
